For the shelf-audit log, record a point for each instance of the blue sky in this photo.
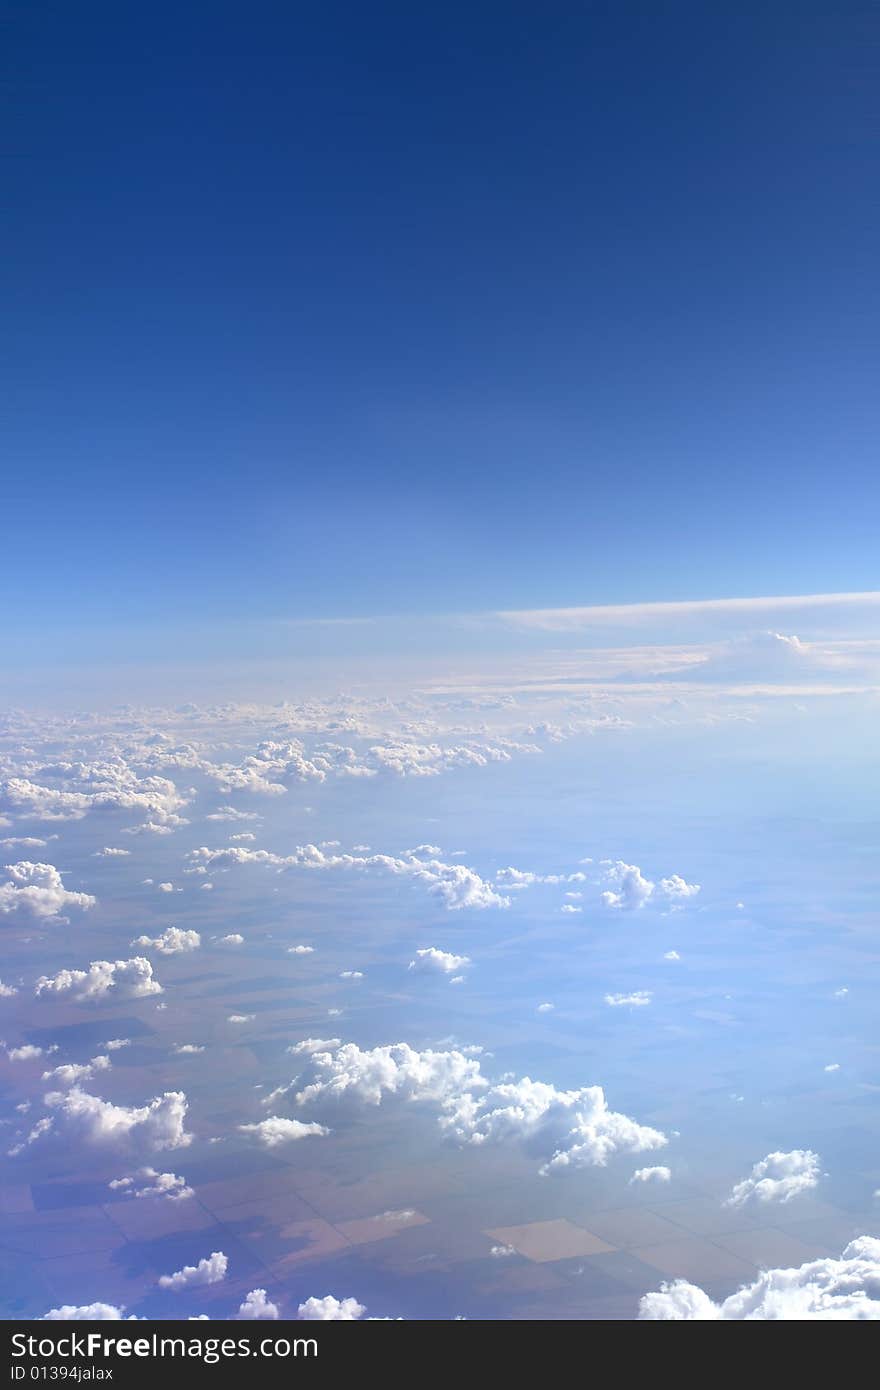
(358, 310)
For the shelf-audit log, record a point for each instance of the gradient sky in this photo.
(350, 310)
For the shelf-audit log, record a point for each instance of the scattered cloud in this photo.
(257, 1307)
(330, 1309)
(778, 1178)
(173, 941)
(208, 1271)
(651, 1175)
(823, 1290)
(37, 891)
(434, 961)
(124, 979)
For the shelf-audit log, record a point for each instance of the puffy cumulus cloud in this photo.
(7, 991)
(82, 1117)
(629, 889)
(231, 939)
(778, 1178)
(148, 1182)
(524, 878)
(208, 1271)
(174, 941)
(457, 886)
(824, 1290)
(637, 1000)
(406, 759)
(70, 1073)
(37, 890)
(120, 979)
(229, 813)
(108, 852)
(371, 1075)
(563, 1128)
(651, 1175)
(88, 1312)
(257, 1307)
(276, 1130)
(300, 950)
(82, 788)
(330, 1309)
(28, 1052)
(433, 961)
(311, 1045)
(676, 888)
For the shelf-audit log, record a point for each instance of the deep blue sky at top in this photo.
(380, 307)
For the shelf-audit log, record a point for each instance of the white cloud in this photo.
(433, 960)
(276, 1130)
(330, 1309)
(173, 941)
(208, 1271)
(187, 1049)
(69, 1073)
(300, 950)
(630, 615)
(240, 1018)
(651, 1175)
(124, 979)
(822, 1290)
(233, 939)
(257, 1308)
(102, 787)
(38, 891)
(778, 1178)
(566, 1128)
(87, 1312)
(109, 853)
(311, 1045)
(148, 1182)
(546, 1008)
(80, 1116)
(7, 991)
(676, 888)
(630, 890)
(458, 886)
(28, 1052)
(638, 1000)
(672, 955)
